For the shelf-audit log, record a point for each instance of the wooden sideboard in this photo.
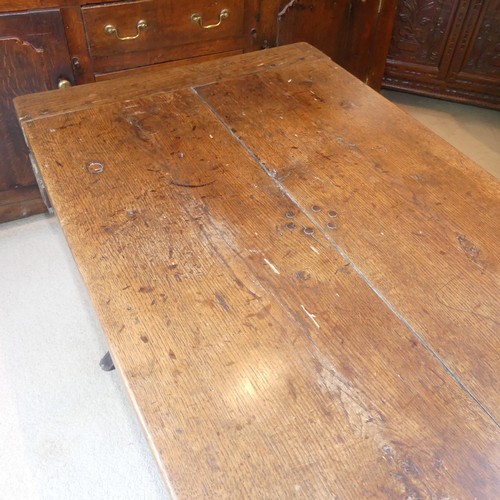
(448, 49)
(50, 44)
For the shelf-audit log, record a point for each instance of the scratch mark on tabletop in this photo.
(316, 96)
(272, 266)
(311, 316)
(470, 250)
(448, 291)
(291, 390)
(342, 142)
(222, 301)
(314, 250)
(317, 178)
(180, 184)
(283, 176)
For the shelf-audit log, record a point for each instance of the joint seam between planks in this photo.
(405, 322)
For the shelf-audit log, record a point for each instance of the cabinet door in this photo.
(354, 33)
(33, 57)
(424, 37)
(475, 68)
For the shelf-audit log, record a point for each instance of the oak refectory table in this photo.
(298, 282)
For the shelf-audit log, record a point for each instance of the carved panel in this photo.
(484, 54)
(421, 31)
(463, 66)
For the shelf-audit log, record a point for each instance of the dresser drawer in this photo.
(147, 70)
(131, 34)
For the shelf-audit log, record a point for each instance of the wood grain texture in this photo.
(259, 358)
(418, 219)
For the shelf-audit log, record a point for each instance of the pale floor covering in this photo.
(474, 131)
(67, 429)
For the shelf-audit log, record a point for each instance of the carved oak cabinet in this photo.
(448, 49)
(50, 44)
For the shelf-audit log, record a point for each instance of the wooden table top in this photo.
(299, 283)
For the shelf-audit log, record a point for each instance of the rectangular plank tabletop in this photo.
(298, 282)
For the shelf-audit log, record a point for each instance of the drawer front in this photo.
(130, 34)
(99, 77)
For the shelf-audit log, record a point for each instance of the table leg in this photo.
(106, 363)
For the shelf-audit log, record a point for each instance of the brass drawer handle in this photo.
(141, 25)
(197, 19)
